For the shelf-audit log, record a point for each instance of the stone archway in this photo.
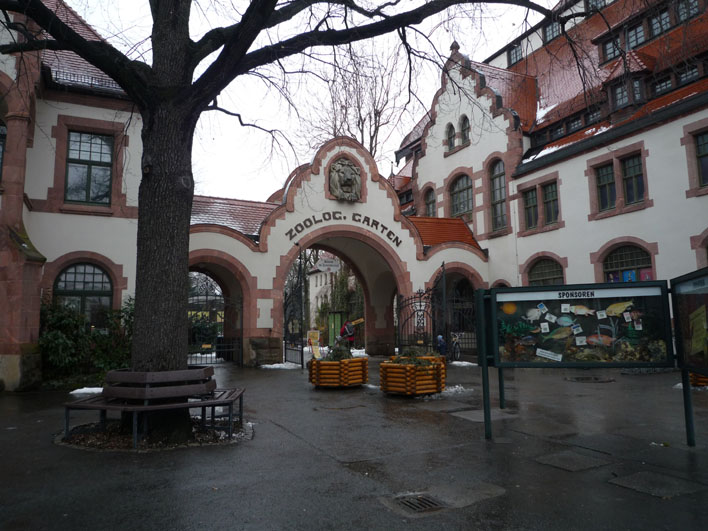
(380, 271)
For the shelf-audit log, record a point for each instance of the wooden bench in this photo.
(141, 392)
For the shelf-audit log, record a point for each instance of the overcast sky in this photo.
(233, 161)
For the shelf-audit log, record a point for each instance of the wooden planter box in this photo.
(344, 373)
(404, 379)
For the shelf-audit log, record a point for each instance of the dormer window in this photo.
(551, 31)
(662, 85)
(611, 49)
(686, 9)
(515, 54)
(687, 75)
(659, 23)
(620, 97)
(596, 4)
(635, 36)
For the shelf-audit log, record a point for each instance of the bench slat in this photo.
(138, 377)
(155, 393)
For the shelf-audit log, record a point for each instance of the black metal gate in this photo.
(294, 315)
(415, 320)
(207, 313)
(446, 309)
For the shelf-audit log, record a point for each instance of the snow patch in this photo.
(541, 112)
(87, 391)
(287, 365)
(693, 387)
(463, 364)
(359, 353)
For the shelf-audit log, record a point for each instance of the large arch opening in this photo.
(374, 267)
(215, 315)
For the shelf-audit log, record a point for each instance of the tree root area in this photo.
(92, 437)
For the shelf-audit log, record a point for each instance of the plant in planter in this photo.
(414, 372)
(338, 369)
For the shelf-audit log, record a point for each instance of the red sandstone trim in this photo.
(615, 158)
(225, 231)
(55, 194)
(541, 225)
(700, 244)
(531, 260)
(463, 269)
(114, 271)
(217, 263)
(447, 185)
(598, 257)
(689, 142)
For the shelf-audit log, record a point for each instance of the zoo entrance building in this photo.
(522, 172)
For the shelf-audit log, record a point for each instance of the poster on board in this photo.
(589, 325)
(690, 299)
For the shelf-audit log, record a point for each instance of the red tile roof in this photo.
(238, 214)
(67, 67)
(434, 231)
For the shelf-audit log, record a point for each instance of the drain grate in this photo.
(419, 503)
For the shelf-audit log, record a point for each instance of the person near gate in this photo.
(347, 333)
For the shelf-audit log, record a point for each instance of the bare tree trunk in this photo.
(166, 191)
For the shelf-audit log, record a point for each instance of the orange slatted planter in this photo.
(409, 379)
(698, 380)
(344, 373)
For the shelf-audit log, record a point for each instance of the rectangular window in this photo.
(687, 75)
(515, 55)
(702, 155)
(637, 90)
(659, 23)
(557, 131)
(550, 203)
(88, 168)
(593, 116)
(635, 36)
(611, 49)
(620, 96)
(531, 208)
(686, 9)
(575, 123)
(596, 4)
(633, 179)
(662, 85)
(606, 192)
(551, 31)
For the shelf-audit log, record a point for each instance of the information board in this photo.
(690, 299)
(582, 325)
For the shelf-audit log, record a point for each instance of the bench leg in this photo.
(203, 423)
(231, 419)
(102, 417)
(135, 429)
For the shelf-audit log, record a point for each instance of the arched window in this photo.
(628, 263)
(464, 129)
(3, 135)
(87, 289)
(461, 195)
(545, 272)
(450, 134)
(430, 209)
(498, 196)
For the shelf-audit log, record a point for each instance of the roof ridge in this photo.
(75, 14)
(234, 200)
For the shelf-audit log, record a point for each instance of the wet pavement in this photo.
(601, 453)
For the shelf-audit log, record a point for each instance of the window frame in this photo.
(498, 195)
(530, 205)
(457, 201)
(615, 158)
(659, 22)
(430, 203)
(554, 280)
(691, 132)
(90, 166)
(702, 159)
(605, 179)
(555, 32)
(632, 180)
(636, 33)
(464, 129)
(450, 137)
(515, 54)
(539, 186)
(611, 49)
(620, 270)
(59, 293)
